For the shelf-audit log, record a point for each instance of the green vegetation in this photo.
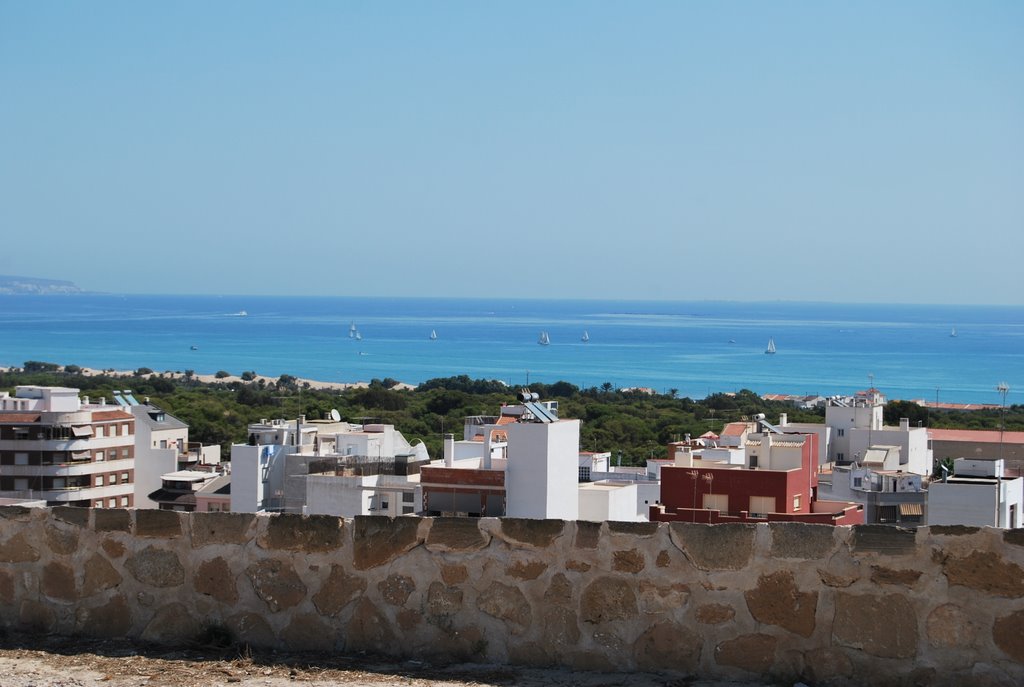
(637, 424)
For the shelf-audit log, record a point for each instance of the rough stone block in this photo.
(306, 632)
(884, 539)
(171, 624)
(950, 627)
(79, 517)
(378, 540)
(1008, 634)
(664, 559)
(408, 619)
(221, 528)
(880, 625)
(113, 548)
(777, 601)
(526, 570)
(508, 604)
(442, 603)
(35, 616)
(454, 574)
(307, 533)
(607, 599)
(668, 646)
(16, 513)
(395, 589)
(165, 524)
(252, 630)
(277, 583)
(659, 598)
(6, 588)
(752, 652)
(99, 575)
(559, 591)
(1015, 537)
(111, 520)
(214, 578)
(337, 591)
(827, 663)
(560, 629)
(631, 561)
(634, 529)
(535, 533)
(456, 534)
(62, 541)
(577, 566)
(156, 567)
(111, 619)
(882, 575)
(801, 540)
(986, 572)
(18, 550)
(715, 547)
(715, 614)
(953, 530)
(588, 534)
(58, 581)
(369, 630)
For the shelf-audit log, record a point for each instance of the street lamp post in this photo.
(1003, 388)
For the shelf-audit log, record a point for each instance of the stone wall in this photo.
(868, 604)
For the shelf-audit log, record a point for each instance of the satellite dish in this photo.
(335, 415)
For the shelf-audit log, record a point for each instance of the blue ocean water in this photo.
(694, 347)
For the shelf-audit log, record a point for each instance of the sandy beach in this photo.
(213, 379)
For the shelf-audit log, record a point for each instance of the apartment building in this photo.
(66, 450)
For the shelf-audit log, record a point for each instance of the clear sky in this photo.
(846, 151)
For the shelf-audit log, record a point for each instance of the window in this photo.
(124, 477)
(406, 510)
(99, 480)
(112, 431)
(753, 462)
(407, 497)
(857, 482)
(796, 502)
(840, 456)
(21, 483)
(584, 473)
(716, 502)
(760, 506)
(100, 457)
(124, 453)
(840, 432)
(21, 459)
(125, 430)
(124, 502)
(99, 503)
(99, 430)
(112, 503)
(163, 443)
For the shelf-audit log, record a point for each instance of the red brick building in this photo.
(778, 482)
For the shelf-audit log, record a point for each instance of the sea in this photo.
(950, 353)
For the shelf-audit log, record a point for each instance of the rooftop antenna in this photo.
(1003, 388)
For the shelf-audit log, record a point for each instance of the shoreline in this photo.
(314, 384)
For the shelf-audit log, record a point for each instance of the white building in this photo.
(977, 495)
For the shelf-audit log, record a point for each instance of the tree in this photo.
(38, 366)
(221, 374)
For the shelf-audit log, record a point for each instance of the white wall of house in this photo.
(600, 501)
(542, 473)
(982, 503)
(149, 466)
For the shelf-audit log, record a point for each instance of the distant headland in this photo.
(36, 287)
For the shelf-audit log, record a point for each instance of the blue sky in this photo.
(869, 151)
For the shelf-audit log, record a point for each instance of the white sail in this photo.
(358, 336)
(352, 331)
(586, 336)
(771, 346)
(544, 339)
(953, 333)
(433, 335)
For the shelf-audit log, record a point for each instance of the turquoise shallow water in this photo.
(822, 348)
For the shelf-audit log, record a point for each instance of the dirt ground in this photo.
(60, 662)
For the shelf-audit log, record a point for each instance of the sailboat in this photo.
(358, 336)
(953, 333)
(352, 331)
(771, 347)
(586, 336)
(544, 339)
(433, 335)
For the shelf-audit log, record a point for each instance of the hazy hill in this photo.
(32, 285)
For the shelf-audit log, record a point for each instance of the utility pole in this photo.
(1003, 388)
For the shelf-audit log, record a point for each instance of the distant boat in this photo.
(732, 340)
(586, 336)
(352, 330)
(953, 333)
(433, 335)
(358, 337)
(771, 347)
(544, 339)
(240, 313)
(195, 348)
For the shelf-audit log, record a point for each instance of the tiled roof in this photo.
(981, 436)
(734, 429)
(101, 415)
(20, 417)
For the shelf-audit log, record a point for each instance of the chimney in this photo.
(449, 450)
(103, 401)
(85, 400)
(783, 419)
(684, 457)
(905, 423)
